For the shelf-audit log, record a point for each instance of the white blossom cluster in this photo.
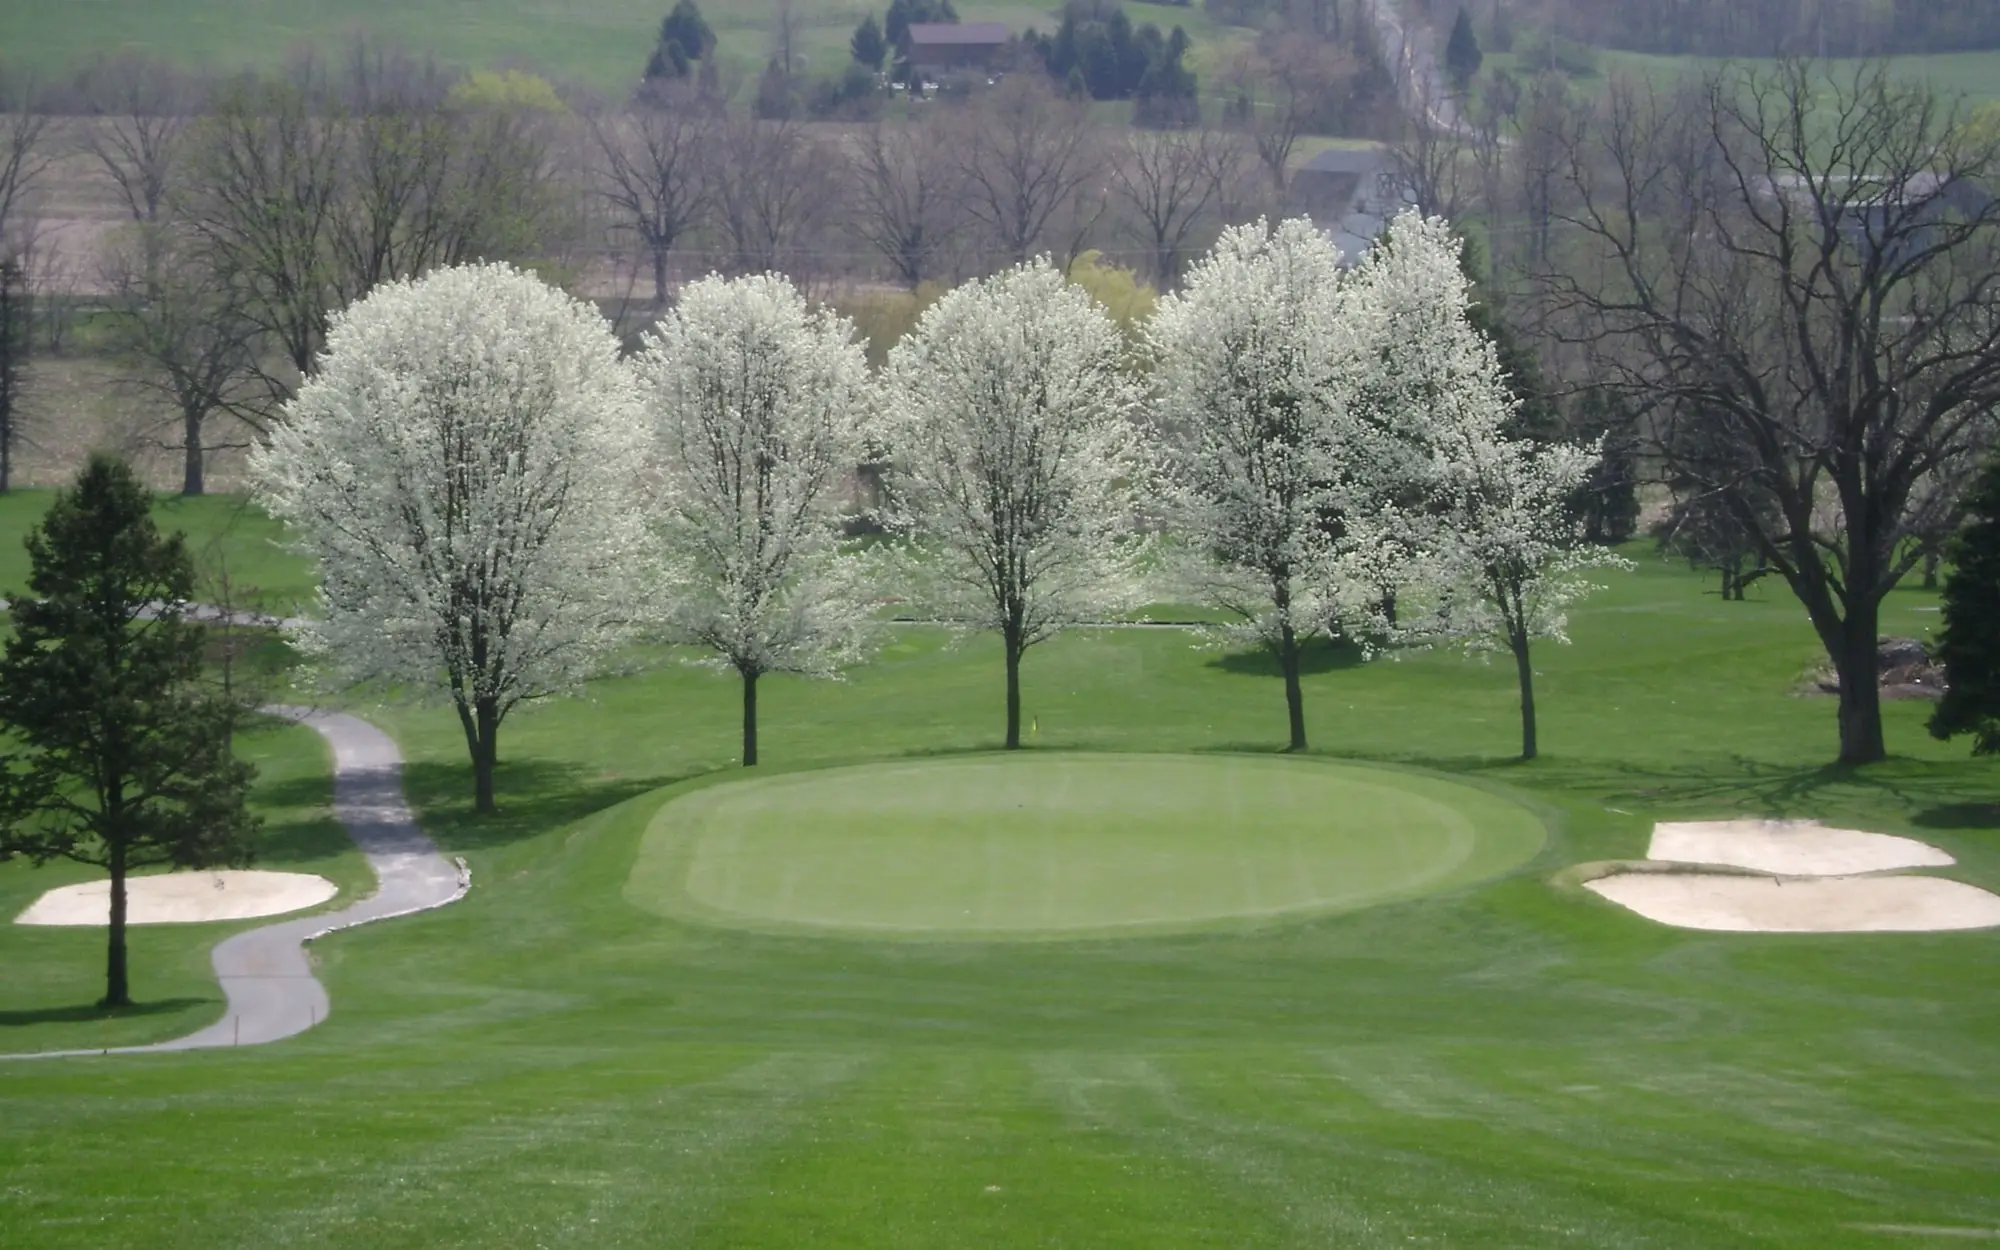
(1018, 462)
(1480, 520)
(758, 408)
(497, 500)
(464, 465)
(1341, 459)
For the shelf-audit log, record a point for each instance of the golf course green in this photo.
(1052, 844)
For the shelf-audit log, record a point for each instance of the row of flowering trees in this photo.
(497, 500)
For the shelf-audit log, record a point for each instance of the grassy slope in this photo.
(49, 977)
(602, 43)
(544, 1064)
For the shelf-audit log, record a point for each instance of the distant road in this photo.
(1409, 52)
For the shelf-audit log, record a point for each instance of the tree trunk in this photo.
(1295, 699)
(749, 719)
(117, 986)
(1013, 643)
(1518, 641)
(1860, 688)
(1930, 570)
(191, 475)
(481, 722)
(659, 277)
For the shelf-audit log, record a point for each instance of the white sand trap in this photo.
(1831, 905)
(1800, 848)
(182, 898)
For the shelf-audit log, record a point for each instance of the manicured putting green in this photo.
(1036, 844)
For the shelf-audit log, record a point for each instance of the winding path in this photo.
(264, 972)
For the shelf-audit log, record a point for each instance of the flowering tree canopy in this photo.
(1488, 517)
(758, 406)
(1016, 460)
(1255, 362)
(463, 464)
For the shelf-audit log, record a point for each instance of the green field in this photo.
(1062, 844)
(225, 535)
(600, 43)
(1975, 75)
(1499, 1064)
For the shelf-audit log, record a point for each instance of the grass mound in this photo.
(1051, 844)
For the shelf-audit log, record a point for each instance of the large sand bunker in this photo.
(182, 898)
(1747, 904)
(1797, 848)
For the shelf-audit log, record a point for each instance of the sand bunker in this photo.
(1832, 905)
(182, 898)
(1799, 848)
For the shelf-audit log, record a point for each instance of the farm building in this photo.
(939, 46)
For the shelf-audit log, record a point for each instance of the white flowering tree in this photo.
(463, 464)
(1488, 517)
(1016, 461)
(758, 408)
(1255, 363)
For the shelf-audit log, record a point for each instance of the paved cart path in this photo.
(264, 972)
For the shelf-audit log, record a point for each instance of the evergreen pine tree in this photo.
(1461, 52)
(1970, 644)
(775, 99)
(119, 753)
(868, 47)
(685, 38)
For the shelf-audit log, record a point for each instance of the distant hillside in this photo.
(602, 44)
(1767, 27)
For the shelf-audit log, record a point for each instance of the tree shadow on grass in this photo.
(93, 1012)
(534, 796)
(1316, 656)
(1959, 816)
(1740, 785)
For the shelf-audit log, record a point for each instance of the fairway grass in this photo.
(1501, 1065)
(1060, 844)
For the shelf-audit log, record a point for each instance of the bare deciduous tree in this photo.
(776, 188)
(906, 196)
(143, 105)
(1431, 157)
(1288, 87)
(194, 342)
(1809, 258)
(653, 170)
(16, 331)
(1171, 181)
(1023, 155)
(264, 196)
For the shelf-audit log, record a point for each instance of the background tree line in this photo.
(253, 204)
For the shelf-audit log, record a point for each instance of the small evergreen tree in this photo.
(775, 100)
(1608, 505)
(1970, 645)
(868, 47)
(1462, 56)
(685, 27)
(685, 38)
(119, 751)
